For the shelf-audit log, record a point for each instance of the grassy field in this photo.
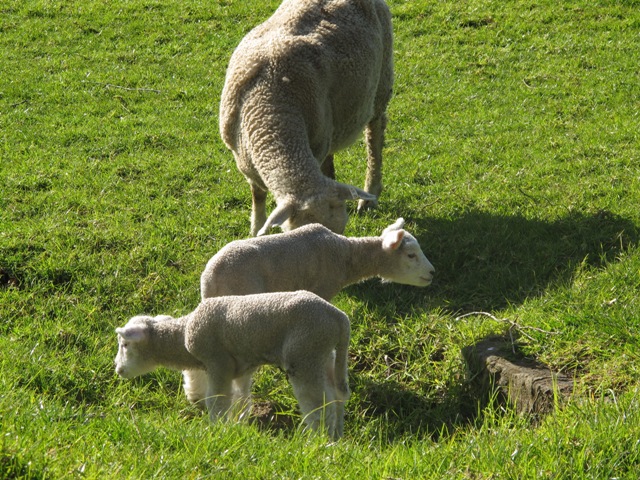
(513, 152)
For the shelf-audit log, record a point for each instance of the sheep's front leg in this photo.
(258, 208)
(374, 138)
(327, 167)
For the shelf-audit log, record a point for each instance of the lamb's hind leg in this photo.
(317, 400)
(195, 386)
(374, 138)
(337, 380)
(258, 208)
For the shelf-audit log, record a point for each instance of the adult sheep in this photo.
(299, 87)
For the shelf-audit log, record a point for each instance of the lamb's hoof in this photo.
(366, 205)
(198, 402)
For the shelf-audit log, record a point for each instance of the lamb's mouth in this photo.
(426, 280)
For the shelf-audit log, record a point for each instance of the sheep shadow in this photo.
(487, 262)
(484, 262)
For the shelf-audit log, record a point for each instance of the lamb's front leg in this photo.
(258, 208)
(219, 393)
(241, 387)
(374, 138)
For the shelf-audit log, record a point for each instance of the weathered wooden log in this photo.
(526, 385)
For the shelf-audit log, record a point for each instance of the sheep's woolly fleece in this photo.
(301, 86)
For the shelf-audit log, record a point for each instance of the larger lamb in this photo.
(299, 87)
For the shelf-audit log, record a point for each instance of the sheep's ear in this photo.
(392, 240)
(397, 225)
(277, 217)
(349, 192)
(134, 333)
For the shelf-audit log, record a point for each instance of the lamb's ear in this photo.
(349, 192)
(278, 217)
(133, 333)
(397, 225)
(392, 240)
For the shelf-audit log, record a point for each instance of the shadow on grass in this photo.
(403, 413)
(486, 262)
(399, 412)
(519, 384)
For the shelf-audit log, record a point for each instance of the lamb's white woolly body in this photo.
(310, 258)
(314, 258)
(299, 87)
(228, 338)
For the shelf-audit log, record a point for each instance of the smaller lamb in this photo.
(230, 337)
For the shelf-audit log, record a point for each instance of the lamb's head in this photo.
(134, 358)
(408, 264)
(327, 208)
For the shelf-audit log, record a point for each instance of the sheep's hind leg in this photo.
(341, 393)
(374, 138)
(258, 208)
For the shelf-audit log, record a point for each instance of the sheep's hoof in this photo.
(366, 205)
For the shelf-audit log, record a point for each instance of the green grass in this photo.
(512, 151)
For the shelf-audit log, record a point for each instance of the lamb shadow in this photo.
(431, 413)
(519, 383)
(486, 261)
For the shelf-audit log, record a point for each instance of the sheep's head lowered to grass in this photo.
(328, 209)
(131, 360)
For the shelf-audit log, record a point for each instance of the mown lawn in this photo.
(512, 151)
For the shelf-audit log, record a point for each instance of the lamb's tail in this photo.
(341, 367)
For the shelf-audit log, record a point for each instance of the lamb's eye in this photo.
(411, 255)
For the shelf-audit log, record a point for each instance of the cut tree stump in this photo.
(529, 387)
